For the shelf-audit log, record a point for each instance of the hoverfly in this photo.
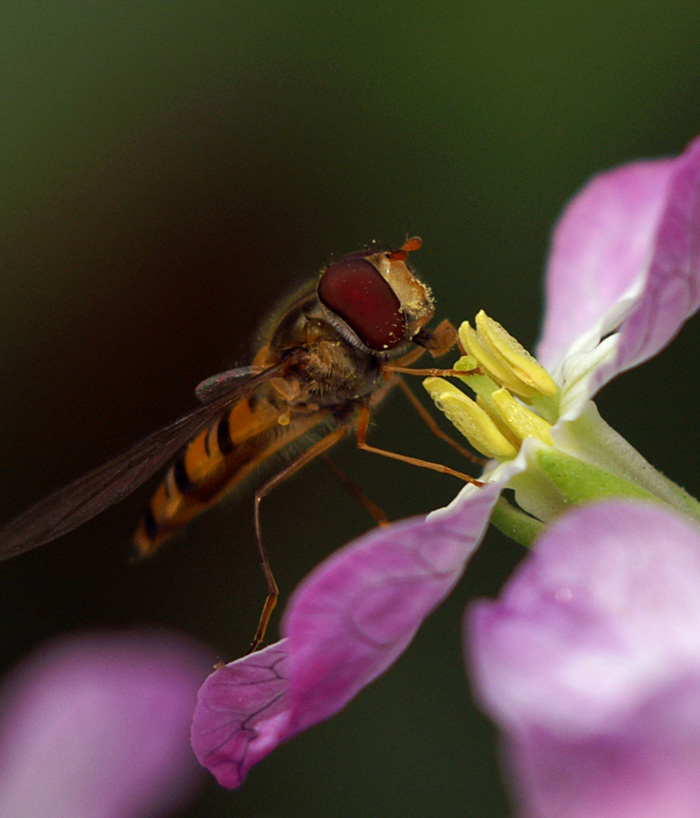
(330, 357)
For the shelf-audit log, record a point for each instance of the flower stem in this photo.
(515, 523)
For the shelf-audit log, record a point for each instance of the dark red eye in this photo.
(353, 289)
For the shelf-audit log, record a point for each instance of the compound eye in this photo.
(354, 290)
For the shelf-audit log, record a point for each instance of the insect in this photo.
(328, 359)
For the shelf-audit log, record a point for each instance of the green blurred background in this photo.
(167, 168)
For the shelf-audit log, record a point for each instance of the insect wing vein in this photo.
(111, 482)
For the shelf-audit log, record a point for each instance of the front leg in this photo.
(440, 340)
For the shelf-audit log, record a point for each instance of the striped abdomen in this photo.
(217, 460)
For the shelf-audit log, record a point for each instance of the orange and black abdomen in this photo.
(217, 460)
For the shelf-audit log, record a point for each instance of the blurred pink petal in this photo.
(345, 625)
(96, 726)
(590, 664)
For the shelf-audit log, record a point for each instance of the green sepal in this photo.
(580, 482)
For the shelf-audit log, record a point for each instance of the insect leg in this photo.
(438, 343)
(440, 340)
(362, 427)
(312, 452)
(378, 515)
(433, 372)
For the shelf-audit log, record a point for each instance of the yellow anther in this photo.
(520, 420)
(487, 404)
(523, 365)
(504, 377)
(505, 360)
(490, 362)
(471, 420)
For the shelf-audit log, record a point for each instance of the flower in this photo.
(96, 726)
(590, 664)
(623, 276)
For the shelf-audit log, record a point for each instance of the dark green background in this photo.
(167, 168)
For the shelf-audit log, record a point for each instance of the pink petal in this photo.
(345, 625)
(239, 711)
(97, 727)
(590, 664)
(672, 290)
(631, 232)
(600, 247)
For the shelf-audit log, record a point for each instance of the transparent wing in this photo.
(221, 384)
(109, 483)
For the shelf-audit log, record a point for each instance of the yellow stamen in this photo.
(504, 377)
(490, 362)
(471, 420)
(505, 360)
(492, 411)
(520, 420)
